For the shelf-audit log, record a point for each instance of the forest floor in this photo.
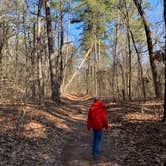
(57, 136)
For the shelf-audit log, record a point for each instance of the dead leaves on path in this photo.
(30, 136)
(33, 135)
(138, 139)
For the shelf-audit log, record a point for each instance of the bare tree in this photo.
(61, 39)
(115, 59)
(53, 59)
(39, 54)
(67, 49)
(129, 31)
(164, 117)
(150, 45)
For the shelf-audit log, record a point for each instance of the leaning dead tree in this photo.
(78, 69)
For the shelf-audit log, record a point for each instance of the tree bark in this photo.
(78, 69)
(139, 63)
(96, 69)
(53, 60)
(164, 116)
(61, 39)
(33, 56)
(26, 55)
(115, 61)
(17, 38)
(3, 40)
(67, 49)
(126, 68)
(39, 55)
(150, 46)
(1, 66)
(129, 50)
(136, 50)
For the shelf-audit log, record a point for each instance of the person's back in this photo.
(97, 116)
(97, 120)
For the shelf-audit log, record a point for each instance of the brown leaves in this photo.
(29, 138)
(141, 137)
(31, 135)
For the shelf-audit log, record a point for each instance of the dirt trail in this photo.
(77, 151)
(57, 136)
(132, 139)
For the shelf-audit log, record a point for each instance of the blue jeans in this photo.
(97, 137)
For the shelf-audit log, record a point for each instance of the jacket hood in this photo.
(98, 105)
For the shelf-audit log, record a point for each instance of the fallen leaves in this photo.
(138, 138)
(34, 129)
(31, 138)
(33, 135)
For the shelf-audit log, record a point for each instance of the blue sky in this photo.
(154, 15)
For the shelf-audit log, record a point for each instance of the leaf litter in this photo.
(34, 135)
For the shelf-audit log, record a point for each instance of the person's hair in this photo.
(96, 98)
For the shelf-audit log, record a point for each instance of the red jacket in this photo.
(97, 118)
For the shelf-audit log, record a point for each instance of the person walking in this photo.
(97, 120)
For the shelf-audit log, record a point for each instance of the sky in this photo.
(156, 11)
(154, 15)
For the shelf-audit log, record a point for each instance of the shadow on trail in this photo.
(134, 138)
(139, 141)
(78, 152)
(34, 136)
(58, 136)
(138, 144)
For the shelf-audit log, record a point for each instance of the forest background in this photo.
(100, 48)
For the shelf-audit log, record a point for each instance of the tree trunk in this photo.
(53, 60)
(61, 39)
(115, 61)
(129, 51)
(96, 69)
(39, 55)
(123, 81)
(88, 78)
(126, 68)
(33, 56)
(164, 117)
(1, 47)
(139, 63)
(1, 70)
(3, 40)
(26, 56)
(150, 46)
(135, 47)
(78, 69)
(17, 38)
(67, 49)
